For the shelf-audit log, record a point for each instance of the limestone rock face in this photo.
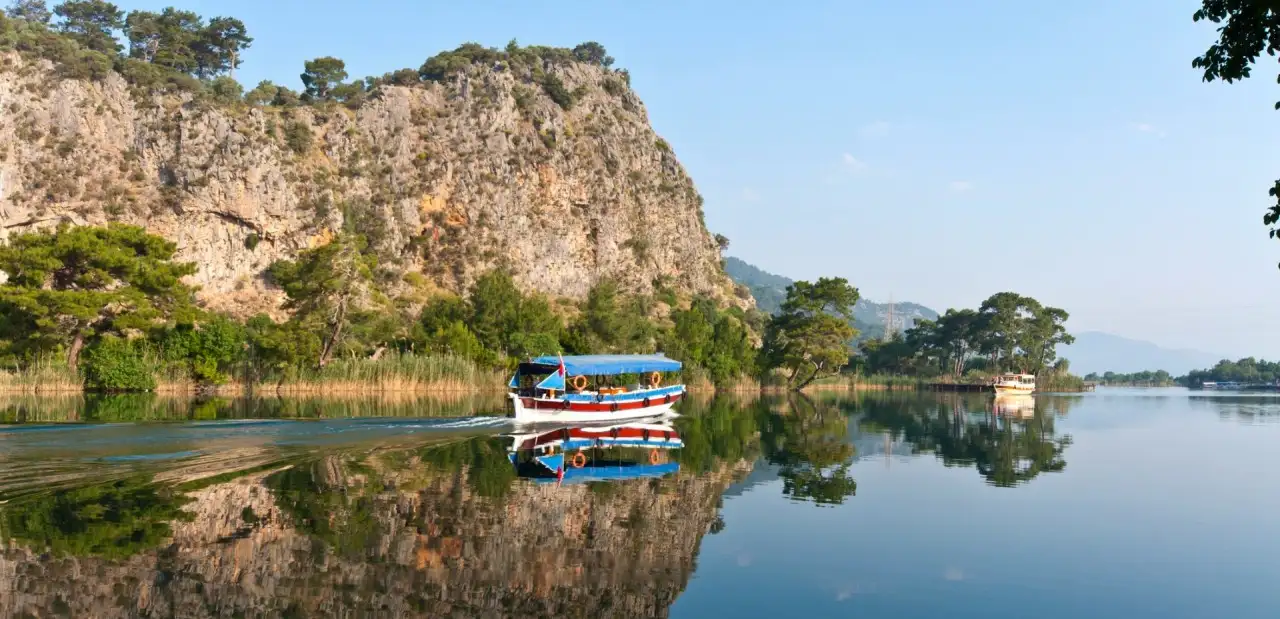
(446, 180)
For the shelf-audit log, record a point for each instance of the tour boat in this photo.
(1014, 384)
(595, 453)
(591, 388)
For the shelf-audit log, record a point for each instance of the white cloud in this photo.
(1148, 128)
(750, 195)
(853, 163)
(960, 186)
(879, 128)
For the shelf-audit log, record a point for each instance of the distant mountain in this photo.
(869, 317)
(1103, 352)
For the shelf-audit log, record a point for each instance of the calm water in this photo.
(1120, 503)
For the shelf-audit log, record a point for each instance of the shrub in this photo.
(225, 89)
(556, 90)
(115, 364)
(298, 136)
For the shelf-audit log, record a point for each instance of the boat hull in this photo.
(554, 410)
(1011, 390)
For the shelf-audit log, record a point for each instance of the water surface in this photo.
(1119, 503)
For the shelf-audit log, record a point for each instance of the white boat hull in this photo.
(526, 414)
(1010, 390)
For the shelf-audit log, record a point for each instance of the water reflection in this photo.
(1007, 443)
(420, 517)
(588, 453)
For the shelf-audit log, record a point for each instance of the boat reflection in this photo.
(1017, 406)
(585, 453)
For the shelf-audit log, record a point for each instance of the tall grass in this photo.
(392, 372)
(44, 375)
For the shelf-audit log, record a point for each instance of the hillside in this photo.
(770, 291)
(530, 159)
(1103, 352)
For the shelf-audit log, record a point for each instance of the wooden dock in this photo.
(980, 388)
(961, 387)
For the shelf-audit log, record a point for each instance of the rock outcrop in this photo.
(446, 179)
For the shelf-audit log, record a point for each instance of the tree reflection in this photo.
(715, 432)
(810, 444)
(1005, 450)
(112, 520)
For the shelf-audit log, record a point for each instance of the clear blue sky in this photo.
(935, 151)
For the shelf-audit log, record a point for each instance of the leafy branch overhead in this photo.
(1247, 29)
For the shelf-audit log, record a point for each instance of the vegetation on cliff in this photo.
(117, 291)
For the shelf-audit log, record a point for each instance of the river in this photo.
(1119, 503)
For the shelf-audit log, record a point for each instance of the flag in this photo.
(561, 370)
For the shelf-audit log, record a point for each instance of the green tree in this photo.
(34, 11)
(1005, 317)
(218, 46)
(92, 23)
(205, 349)
(1248, 28)
(593, 53)
(168, 38)
(327, 286)
(116, 364)
(610, 322)
(1044, 331)
(226, 90)
(262, 94)
(322, 75)
(75, 283)
(810, 336)
(274, 346)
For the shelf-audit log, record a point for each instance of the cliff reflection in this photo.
(441, 530)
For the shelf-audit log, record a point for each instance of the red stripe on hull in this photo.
(596, 407)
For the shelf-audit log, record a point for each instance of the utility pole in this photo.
(889, 328)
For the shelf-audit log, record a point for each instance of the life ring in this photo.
(655, 379)
(578, 460)
(578, 382)
(653, 456)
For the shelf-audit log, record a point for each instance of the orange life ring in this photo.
(578, 460)
(653, 456)
(579, 382)
(655, 379)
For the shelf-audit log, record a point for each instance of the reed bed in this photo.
(44, 375)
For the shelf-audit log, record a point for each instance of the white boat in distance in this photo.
(587, 388)
(1014, 384)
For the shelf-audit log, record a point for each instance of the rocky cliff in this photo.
(446, 178)
(408, 547)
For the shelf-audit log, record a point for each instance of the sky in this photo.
(931, 151)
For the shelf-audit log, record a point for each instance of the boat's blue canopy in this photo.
(609, 365)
